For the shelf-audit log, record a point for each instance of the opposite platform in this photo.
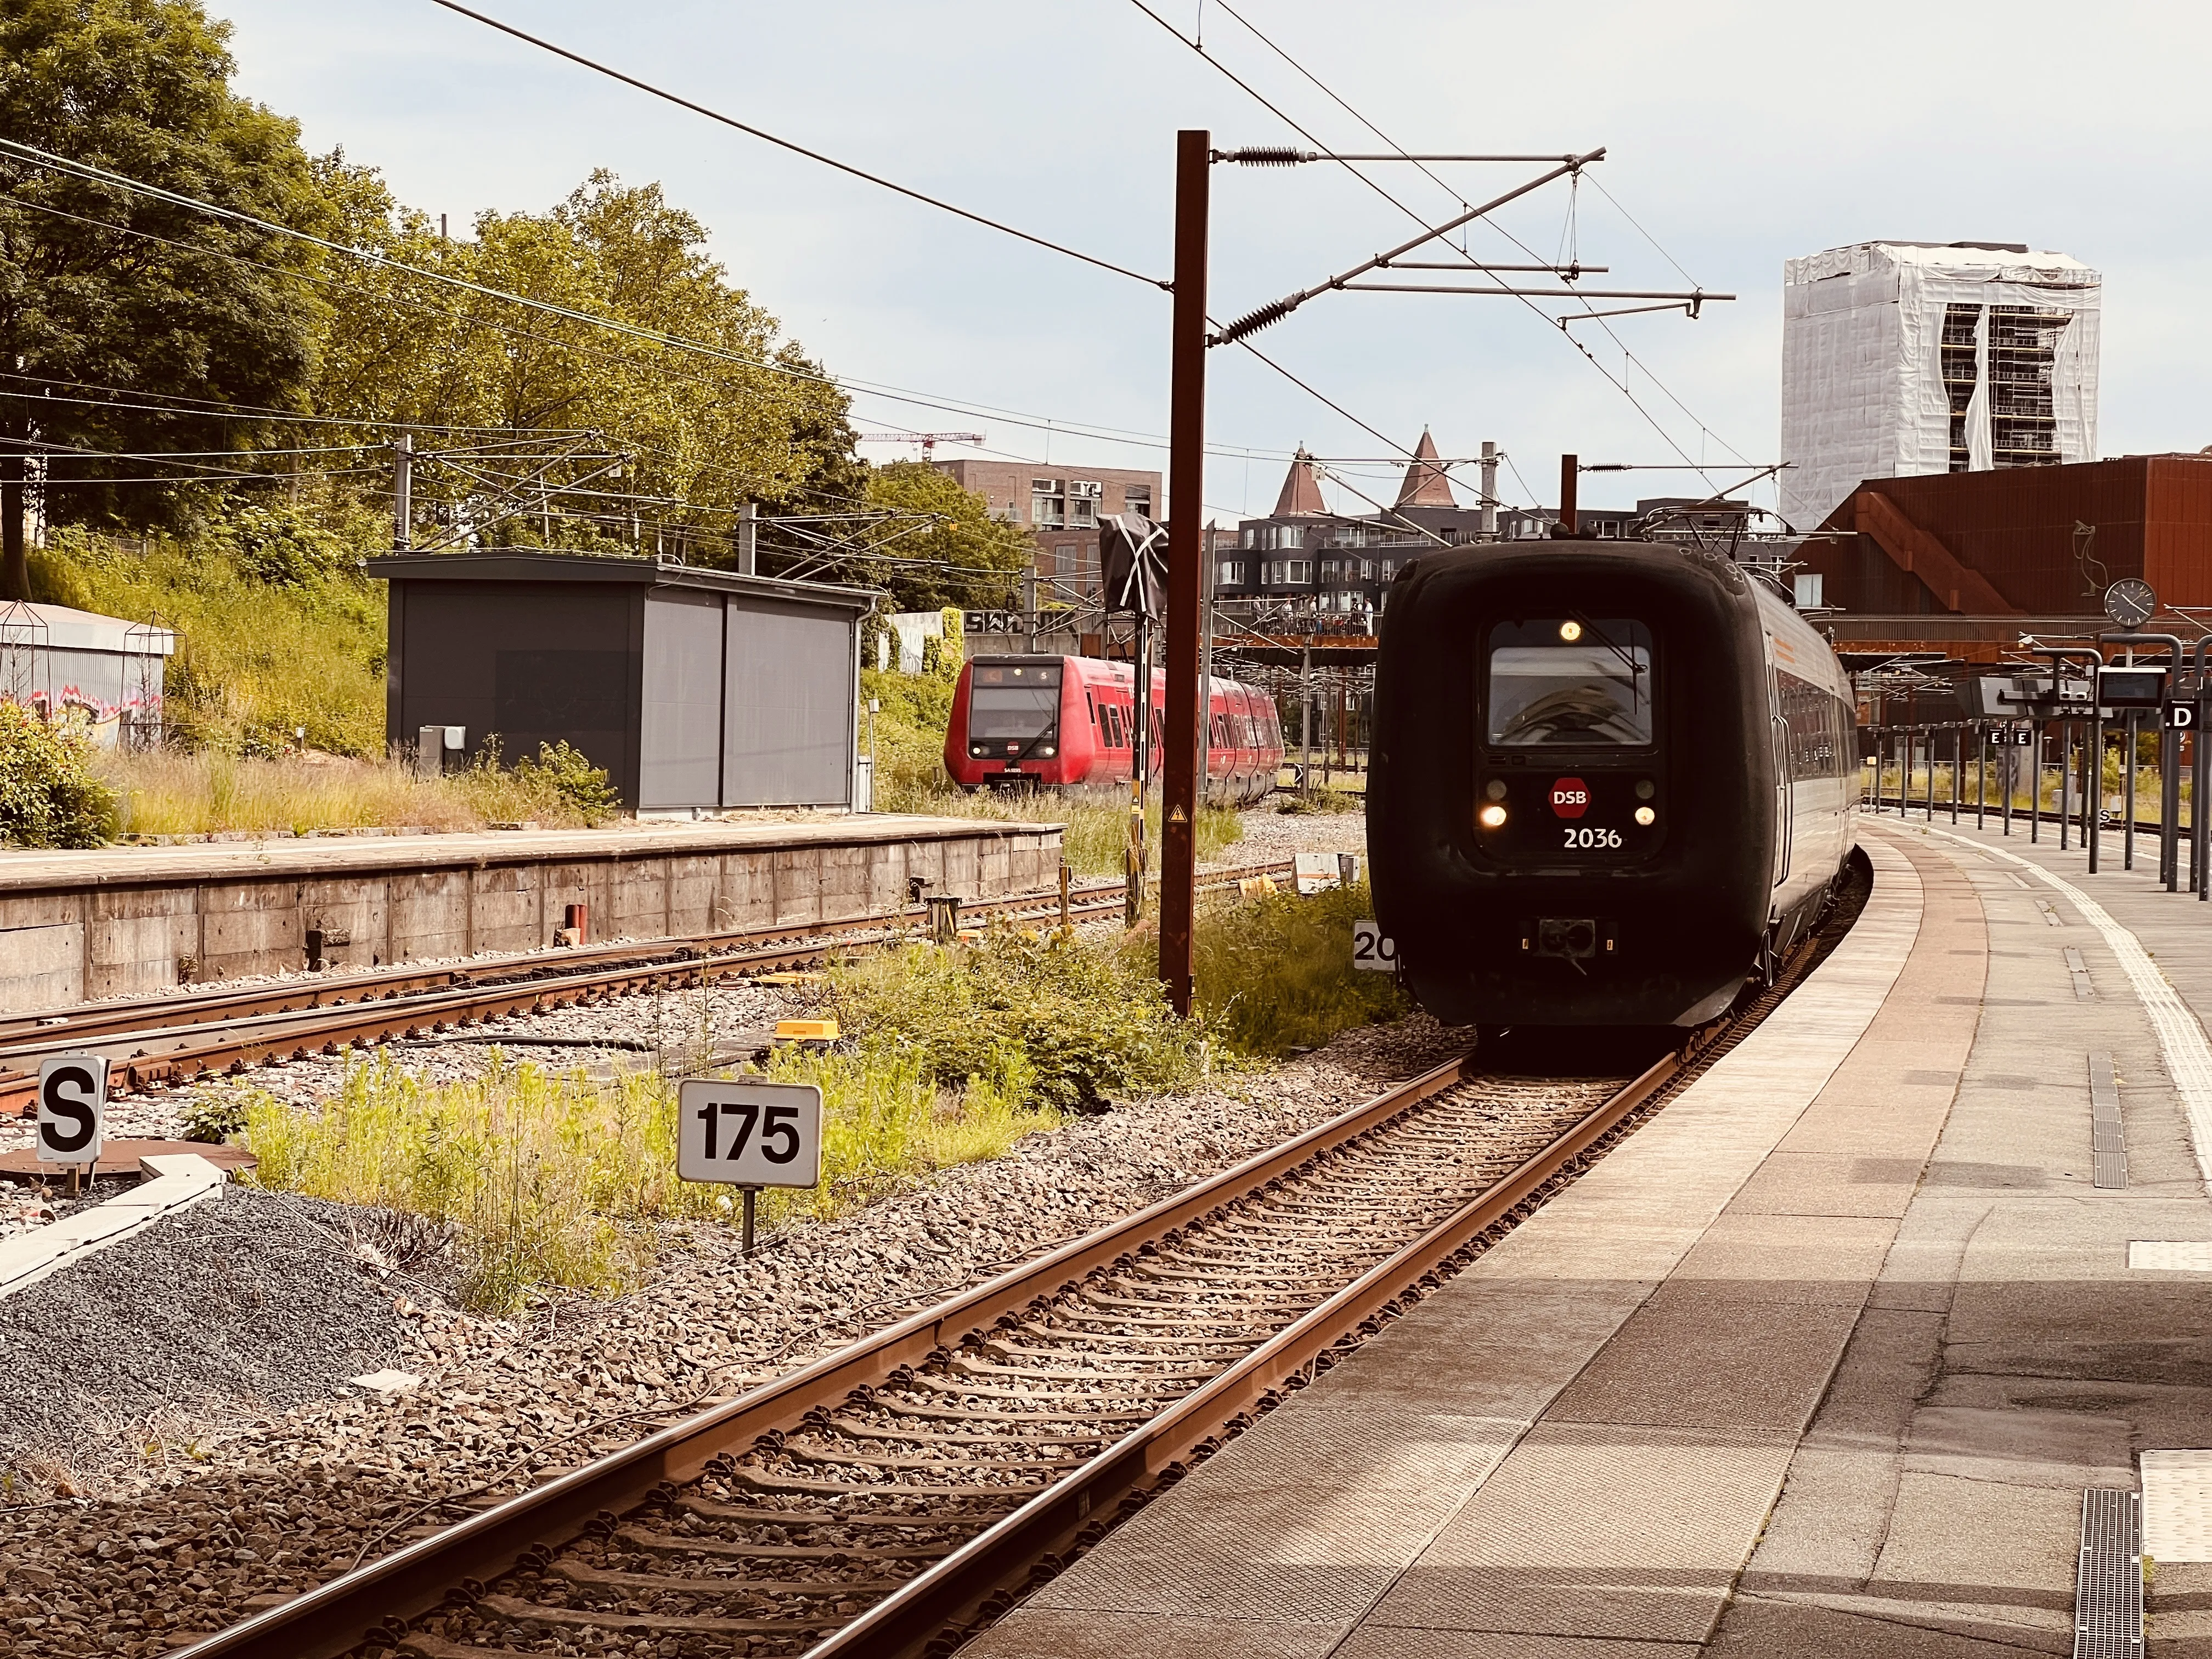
(122, 921)
(1817, 1361)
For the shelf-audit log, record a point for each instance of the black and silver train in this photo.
(1611, 782)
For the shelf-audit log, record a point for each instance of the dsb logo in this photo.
(1570, 798)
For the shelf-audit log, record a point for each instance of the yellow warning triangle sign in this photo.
(1177, 816)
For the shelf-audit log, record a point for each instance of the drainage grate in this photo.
(2108, 1147)
(2084, 989)
(2108, 1613)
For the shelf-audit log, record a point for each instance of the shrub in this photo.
(1274, 973)
(1059, 1020)
(48, 795)
(256, 658)
(561, 774)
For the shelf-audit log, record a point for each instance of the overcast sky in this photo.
(1737, 136)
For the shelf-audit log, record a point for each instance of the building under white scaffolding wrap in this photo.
(1900, 358)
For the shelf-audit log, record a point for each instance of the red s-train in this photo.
(1070, 723)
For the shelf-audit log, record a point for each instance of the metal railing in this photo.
(2010, 757)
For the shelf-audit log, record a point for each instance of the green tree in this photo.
(139, 86)
(703, 431)
(960, 556)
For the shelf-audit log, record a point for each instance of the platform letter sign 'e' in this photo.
(748, 1133)
(72, 1104)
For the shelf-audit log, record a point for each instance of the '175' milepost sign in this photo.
(749, 1133)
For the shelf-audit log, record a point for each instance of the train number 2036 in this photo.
(1578, 836)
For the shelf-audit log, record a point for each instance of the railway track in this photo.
(173, 1040)
(893, 1497)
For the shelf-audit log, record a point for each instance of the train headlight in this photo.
(1645, 789)
(975, 749)
(1495, 789)
(1490, 815)
(1570, 630)
(1645, 817)
(1047, 751)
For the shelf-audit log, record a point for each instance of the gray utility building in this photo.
(692, 688)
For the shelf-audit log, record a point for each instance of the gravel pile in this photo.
(291, 1501)
(211, 1319)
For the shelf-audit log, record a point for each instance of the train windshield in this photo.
(1569, 682)
(1012, 703)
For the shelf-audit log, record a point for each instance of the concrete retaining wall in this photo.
(77, 927)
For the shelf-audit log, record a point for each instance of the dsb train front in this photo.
(1611, 782)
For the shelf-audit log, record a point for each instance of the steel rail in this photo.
(325, 1622)
(519, 984)
(930, 1615)
(935, 1609)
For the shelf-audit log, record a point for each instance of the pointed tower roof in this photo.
(1425, 484)
(1301, 488)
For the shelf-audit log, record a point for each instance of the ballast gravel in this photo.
(285, 1499)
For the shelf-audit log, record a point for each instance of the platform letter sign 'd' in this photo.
(750, 1134)
(1372, 949)
(72, 1103)
(2178, 716)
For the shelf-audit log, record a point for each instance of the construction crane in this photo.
(928, 441)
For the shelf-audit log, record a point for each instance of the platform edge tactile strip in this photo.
(2177, 1505)
(2173, 1256)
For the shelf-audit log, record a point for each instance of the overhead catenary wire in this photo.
(1620, 385)
(854, 389)
(682, 102)
(370, 256)
(88, 170)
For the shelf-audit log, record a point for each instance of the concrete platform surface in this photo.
(1818, 1362)
(23, 871)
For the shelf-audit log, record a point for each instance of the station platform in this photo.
(79, 926)
(1820, 1361)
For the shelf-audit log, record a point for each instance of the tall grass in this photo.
(546, 1180)
(171, 792)
(1275, 972)
(559, 1181)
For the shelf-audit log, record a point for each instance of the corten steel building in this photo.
(1963, 563)
(693, 689)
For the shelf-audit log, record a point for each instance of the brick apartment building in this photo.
(1060, 505)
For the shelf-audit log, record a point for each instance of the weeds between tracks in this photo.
(544, 1180)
